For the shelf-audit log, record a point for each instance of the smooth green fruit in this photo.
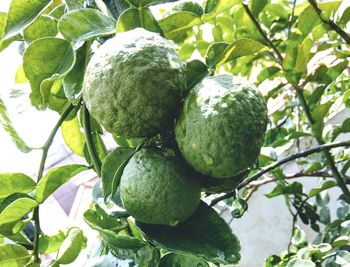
(221, 128)
(134, 83)
(156, 189)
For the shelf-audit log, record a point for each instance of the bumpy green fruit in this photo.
(134, 83)
(156, 189)
(221, 128)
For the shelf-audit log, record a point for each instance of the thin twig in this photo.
(291, 18)
(276, 164)
(45, 148)
(330, 23)
(263, 34)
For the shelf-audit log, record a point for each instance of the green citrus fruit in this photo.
(156, 189)
(221, 128)
(134, 83)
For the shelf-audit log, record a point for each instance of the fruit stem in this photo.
(45, 149)
(96, 162)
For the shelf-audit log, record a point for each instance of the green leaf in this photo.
(345, 17)
(172, 259)
(134, 18)
(332, 5)
(280, 189)
(15, 183)
(239, 48)
(73, 81)
(21, 14)
(215, 7)
(304, 54)
(125, 247)
(325, 215)
(54, 179)
(17, 209)
(141, 3)
(257, 6)
(85, 24)
(239, 207)
(326, 185)
(40, 71)
(50, 244)
(196, 70)
(205, 234)
(73, 136)
(308, 19)
(20, 75)
(318, 114)
(340, 241)
(268, 73)
(214, 53)
(186, 51)
(115, 160)
(6, 123)
(178, 22)
(300, 263)
(74, 242)
(43, 26)
(12, 255)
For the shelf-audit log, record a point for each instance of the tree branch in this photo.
(340, 181)
(316, 149)
(45, 148)
(263, 34)
(330, 23)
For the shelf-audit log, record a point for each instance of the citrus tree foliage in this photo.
(298, 50)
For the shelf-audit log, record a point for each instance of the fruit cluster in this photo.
(135, 87)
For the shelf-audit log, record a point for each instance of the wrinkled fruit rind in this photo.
(156, 189)
(134, 83)
(221, 127)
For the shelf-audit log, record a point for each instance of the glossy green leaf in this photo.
(318, 115)
(332, 5)
(70, 249)
(17, 209)
(239, 48)
(186, 51)
(214, 53)
(12, 255)
(73, 81)
(54, 179)
(268, 73)
(341, 241)
(15, 183)
(293, 188)
(58, 11)
(141, 3)
(300, 263)
(134, 18)
(205, 234)
(345, 17)
(21, 14)
(304, 55)
(73, 136)
(50, 244)
(196, 70)
(124, 246)
(308, 19)
(257, 6)
(85, 24)
(6, 123)
(43, 26)
(178, 22)
(115, 160)
(41, 72)
(215, 7)
(326, 185)
(7, 42)
(172, 259)
(20, 75)
(239, 207)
